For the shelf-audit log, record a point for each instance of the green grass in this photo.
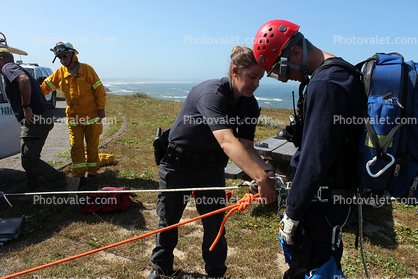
(64, 154)
(54, 163)
(52, 232)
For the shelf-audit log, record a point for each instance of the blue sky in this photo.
(187, 40)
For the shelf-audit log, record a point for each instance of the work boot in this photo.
(211, 276)
(72, 183)
(83, 181)
(32, 186)
(91, 177)
(156, 273)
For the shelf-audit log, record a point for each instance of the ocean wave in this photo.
(173, 97)
(123, 91)
(268, 99)
(147, 82)
(275, 96)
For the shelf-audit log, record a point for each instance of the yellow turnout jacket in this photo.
(84, 93)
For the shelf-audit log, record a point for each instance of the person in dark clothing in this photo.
(325, 161)
(217, 120)
(32, 110)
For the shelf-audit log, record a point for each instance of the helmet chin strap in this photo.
(72, 55)
(304, 67)
(301, 68)
(282, 65)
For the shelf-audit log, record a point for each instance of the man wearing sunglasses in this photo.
(86, 100)
(325, 160)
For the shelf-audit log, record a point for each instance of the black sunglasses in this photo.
(63, 56)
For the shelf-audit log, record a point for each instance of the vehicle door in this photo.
(39, 76)
(51, 97)
(9, 127)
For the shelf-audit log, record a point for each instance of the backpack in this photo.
(389, 143)
(107, 202)
(388, 146)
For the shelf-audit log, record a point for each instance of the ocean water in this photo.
(271, 95)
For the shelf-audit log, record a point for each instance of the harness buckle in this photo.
(319, 193)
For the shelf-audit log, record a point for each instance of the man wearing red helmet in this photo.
(326, 156)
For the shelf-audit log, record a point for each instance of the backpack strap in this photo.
(367, 78)
(415, 77)
(369, 65)
(339, 62)
(352, 130)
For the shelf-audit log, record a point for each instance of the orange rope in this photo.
(240, 206)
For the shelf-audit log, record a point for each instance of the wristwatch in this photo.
(25, 105)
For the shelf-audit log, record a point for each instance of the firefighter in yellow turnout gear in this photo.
(86, 100)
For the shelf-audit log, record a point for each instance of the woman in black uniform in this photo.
(218, 120)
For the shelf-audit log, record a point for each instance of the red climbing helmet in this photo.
(270, 40)
(273, 40)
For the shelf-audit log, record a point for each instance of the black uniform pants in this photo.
(32, 140)
(170, 207)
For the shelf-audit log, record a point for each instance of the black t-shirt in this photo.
(208, 107)
(38, 103)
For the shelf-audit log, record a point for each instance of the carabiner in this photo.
(379, 173)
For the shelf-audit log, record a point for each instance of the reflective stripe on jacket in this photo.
(84, 92)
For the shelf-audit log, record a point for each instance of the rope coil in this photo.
(240, 206)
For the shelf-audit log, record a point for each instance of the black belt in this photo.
(178, 156)
(325, 194)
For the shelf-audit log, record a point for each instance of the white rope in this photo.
(4, 196)
(125, 191)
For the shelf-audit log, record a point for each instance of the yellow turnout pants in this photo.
(91, 133)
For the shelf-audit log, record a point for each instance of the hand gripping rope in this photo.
(241, 205)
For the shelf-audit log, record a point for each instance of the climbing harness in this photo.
(337, 232)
